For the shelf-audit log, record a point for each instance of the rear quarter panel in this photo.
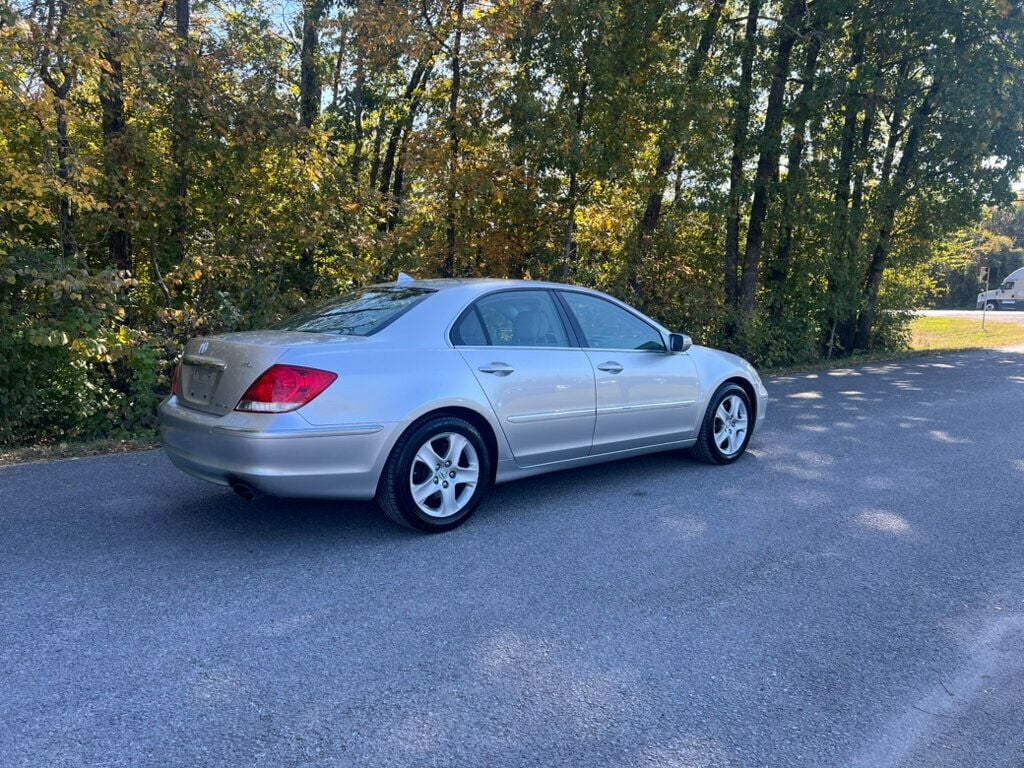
(382, 383)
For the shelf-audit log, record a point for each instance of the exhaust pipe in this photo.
(244, 490)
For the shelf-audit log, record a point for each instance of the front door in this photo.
(645, 395)
(540, 387)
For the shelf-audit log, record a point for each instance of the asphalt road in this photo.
(851, 593)
(1002, 316)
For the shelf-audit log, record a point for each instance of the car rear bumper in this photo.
(280, 455)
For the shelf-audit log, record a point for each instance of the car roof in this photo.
(461, 291)
(482, 284)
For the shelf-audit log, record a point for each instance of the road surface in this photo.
(851, 593)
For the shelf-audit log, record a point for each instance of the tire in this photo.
(992, 306)
(707, 448)
(443, 503)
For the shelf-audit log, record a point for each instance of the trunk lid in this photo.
(217, 370)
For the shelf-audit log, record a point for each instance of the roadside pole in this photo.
(984, 304)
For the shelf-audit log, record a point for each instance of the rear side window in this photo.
(469, 332)
(609, 326)
(357, 313)
(512, 319)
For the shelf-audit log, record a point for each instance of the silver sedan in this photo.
(423, 394)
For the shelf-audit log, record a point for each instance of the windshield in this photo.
(357, 313)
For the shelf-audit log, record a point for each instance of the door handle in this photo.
(498, 369)
(610, 367)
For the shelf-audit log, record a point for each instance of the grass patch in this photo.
(71, 450)
(952, 333)
(928, 336)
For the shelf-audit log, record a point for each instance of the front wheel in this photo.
(726, 428)
(436, 476)
(992, 306)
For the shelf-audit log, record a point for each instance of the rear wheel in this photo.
(436, 476)
(726, 428)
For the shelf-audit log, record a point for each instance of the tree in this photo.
(58, 71)
(111, 95)
(181, 133)
(771, 150)
(238, 165)
(740, 126)
(451, 212)
(673, 136)
(309, 78)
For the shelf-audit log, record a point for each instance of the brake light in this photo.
(283, 388)
(176, 380)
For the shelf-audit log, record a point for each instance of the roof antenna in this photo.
(404, 279)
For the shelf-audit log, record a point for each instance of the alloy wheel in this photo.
(444, 474)
(730, 430)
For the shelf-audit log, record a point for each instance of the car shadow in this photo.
(269, 518)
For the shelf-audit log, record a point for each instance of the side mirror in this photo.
(679, 342)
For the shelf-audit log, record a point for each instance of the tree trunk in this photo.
(846, 328)
(779, 273)
(741, 119)
(378, 139)
(111, 96)
(339, 60)
(867, 128)
(357, 110)
(309, 73)
(412, 96)
(54, 29)
(398, 187)
(670, 138)
(848, 141)
(570, 249)
(451, 219)
(68, 247)
(892, 198)
(840, 331)
(181, 129)
(771, 151)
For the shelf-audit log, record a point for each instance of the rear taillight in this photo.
(284, 388)
(176, 380)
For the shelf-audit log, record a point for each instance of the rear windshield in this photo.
(357, 313)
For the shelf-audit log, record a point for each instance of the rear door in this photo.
(645, 395)
(539, 384)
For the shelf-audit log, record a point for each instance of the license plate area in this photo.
(200, 384)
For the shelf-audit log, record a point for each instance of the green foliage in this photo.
(154, 187)
(949, 276)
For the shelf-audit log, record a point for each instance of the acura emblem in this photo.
(203, 347)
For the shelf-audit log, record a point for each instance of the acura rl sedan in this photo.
(423, 394)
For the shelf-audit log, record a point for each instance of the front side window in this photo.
(1008, 285)
(608, 326)
(512, 319)
(357, 313)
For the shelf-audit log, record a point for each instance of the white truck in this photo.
(1009, 295)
